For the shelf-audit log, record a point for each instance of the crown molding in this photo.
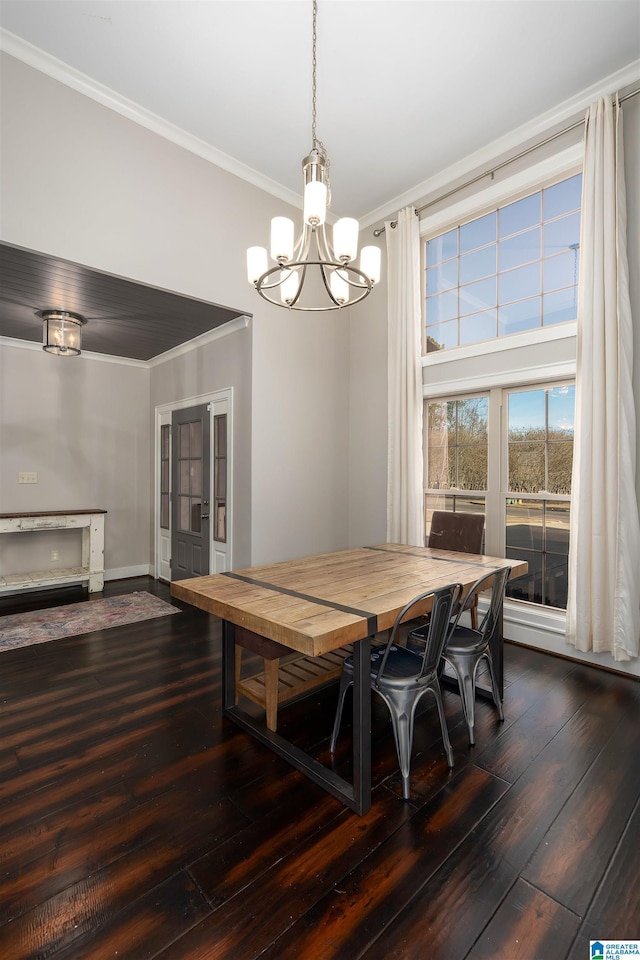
(84, 354)
(35, 57)
(224, 330)
(564, 113)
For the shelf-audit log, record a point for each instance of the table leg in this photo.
(362, 721)
(497, 653)
(357, 796)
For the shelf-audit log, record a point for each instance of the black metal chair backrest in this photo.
(489, 621)
(444, 602)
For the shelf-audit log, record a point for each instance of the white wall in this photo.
(82, 425)
(368, 420)
(122, 199)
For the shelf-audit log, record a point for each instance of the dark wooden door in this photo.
(191, 484)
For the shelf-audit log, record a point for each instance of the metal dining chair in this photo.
(465, 647)
(401, 677)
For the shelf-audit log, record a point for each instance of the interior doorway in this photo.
(193, 509)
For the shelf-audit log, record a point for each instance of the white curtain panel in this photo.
(603, 607)
(405, 500)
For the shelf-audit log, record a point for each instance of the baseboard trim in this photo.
(124, 573)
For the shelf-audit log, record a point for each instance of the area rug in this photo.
(38, 626)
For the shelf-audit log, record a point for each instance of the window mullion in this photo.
(494, 526)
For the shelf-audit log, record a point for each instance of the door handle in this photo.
(205, 516)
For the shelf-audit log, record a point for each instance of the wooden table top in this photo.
(319, 603)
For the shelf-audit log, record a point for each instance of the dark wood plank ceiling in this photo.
(124, 318)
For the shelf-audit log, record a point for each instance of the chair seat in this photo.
(464, 639)
(401, 664)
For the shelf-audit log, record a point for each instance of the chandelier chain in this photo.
(317, 144)
(314, 61)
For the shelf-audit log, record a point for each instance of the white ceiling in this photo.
(406, 88)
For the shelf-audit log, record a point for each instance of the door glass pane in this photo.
(164, 441)
(220, 436)
(196, 478)
(185, 523)
(184, 478)
(165, 475)
(196, 438)
(184, 439)
(220, 478)
(196, 516)
(164, 510)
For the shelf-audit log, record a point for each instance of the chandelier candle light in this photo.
(343, 282)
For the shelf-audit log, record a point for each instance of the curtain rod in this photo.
(490, 173)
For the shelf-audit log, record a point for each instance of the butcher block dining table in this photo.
(320, 604)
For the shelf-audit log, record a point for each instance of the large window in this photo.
(508, 454)
(512, 270)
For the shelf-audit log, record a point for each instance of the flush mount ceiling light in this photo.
(342, 282)
(61, 332)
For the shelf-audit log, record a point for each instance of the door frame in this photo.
(163, 414)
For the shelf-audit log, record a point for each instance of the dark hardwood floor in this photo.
(137, 823)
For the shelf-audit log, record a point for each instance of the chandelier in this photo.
(342, 282)
(61, 332)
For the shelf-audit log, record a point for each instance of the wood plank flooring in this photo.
(136, 822)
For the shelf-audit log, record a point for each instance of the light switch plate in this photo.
(27, 478)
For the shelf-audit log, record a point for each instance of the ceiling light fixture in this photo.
(342, 282)
(61, 332)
